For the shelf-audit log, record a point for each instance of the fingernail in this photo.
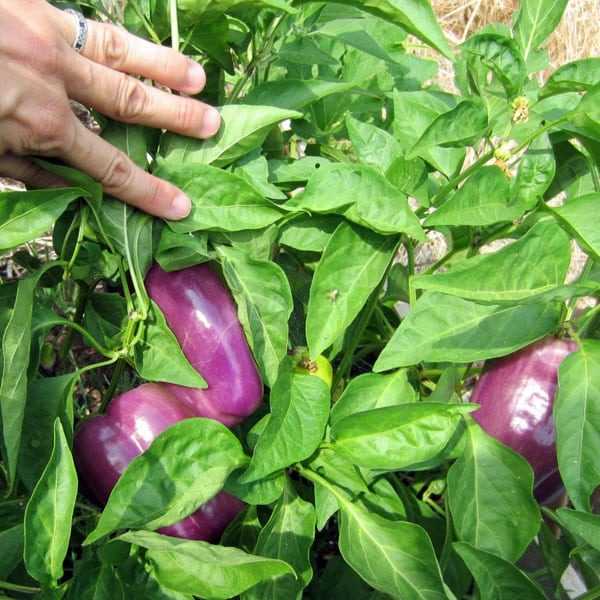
(196, 78)
(211, 121)
(180, 207)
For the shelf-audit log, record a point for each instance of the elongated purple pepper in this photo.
(516, 394)
(106, 444)
(202, 314)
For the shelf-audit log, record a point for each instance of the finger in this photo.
(128, 99)
(31, 174)
(121, 177)
(117, 49)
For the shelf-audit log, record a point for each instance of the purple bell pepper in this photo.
(106, 444)
(516, 396)
(202, 314)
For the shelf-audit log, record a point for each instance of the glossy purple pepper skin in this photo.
(106, 444)
(516, 395)
(202, 314)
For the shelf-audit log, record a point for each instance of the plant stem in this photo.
(13, 587)
(174, 25)
(490, 154)
(315, 478)
(85, 210)
(136, 7)
(114, 382)
(80, 299)
(539, 132)
(461, 177)
(75, 327)
(98, 365)
(410, 252)
(258, 55)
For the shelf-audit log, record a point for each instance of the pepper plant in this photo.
(338, 158)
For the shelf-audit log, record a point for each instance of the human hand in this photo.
(40, 72)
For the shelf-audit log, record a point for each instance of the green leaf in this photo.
(200, 10)
(129, 138)
(441, 328)
(158, 355)
(264, 302)
(27, 215)
(414, 112)
(49, 512)
(221, 201)
(364, 34)
(577, 420)
(535, 21)
(95, 581)
(360, 193)
(490, 495)
(304, 51)
(288, 535)
(529, 269)
(555, 552)
(260, 492)
(586, 115)
(199, 568)
(294, 94)
(340, 582)
(130, 231)
(411, 177)
(105, 318)
(582, 217)
(484, 199)
(139, 581)
(415, 16)
(254, 168)
(244, 530)
(339, 470)
(582, 524)
(396, 437)
(500, 54)
(181, 250)
(373, 146)
(352, 266)
(579, 75)
(243, 128)
(299, 412)
(185, 466)
(47, 399)
(395, 557)
(370, 391)
(465, 124)
(536, 172)
(310, 233)
(11, 542)
(16, 343)
(258, 245)
(296, 171)
(497, 579)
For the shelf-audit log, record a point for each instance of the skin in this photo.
(40, 72)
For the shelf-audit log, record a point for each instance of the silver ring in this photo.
(82, 30)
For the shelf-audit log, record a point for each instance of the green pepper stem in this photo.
(14, 587)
